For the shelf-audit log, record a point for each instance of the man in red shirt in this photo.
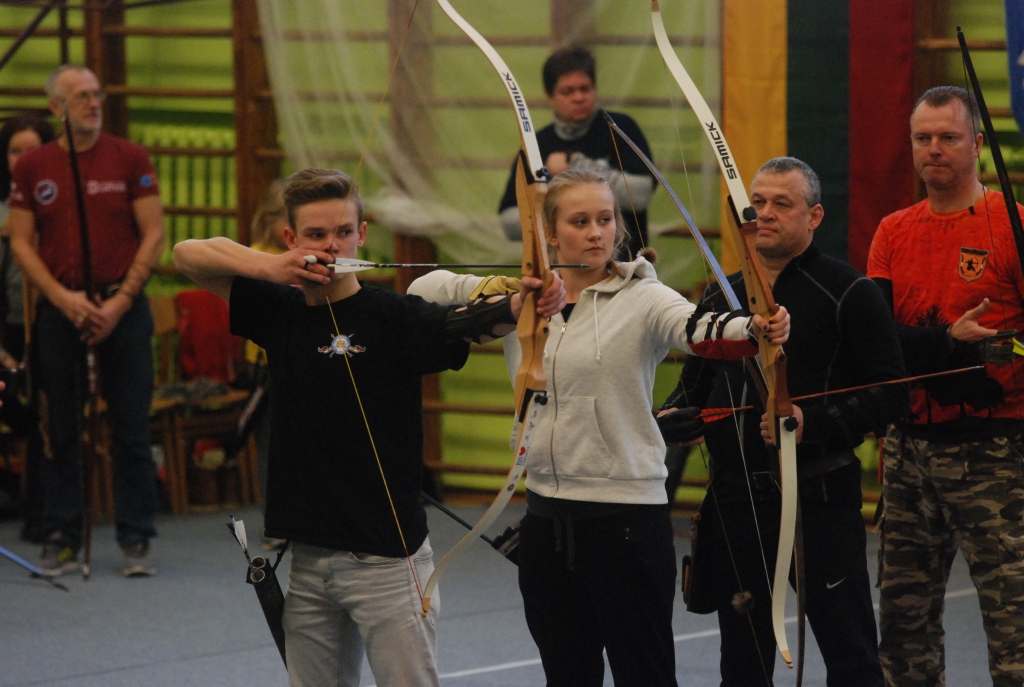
(954, 471)
(125, 220)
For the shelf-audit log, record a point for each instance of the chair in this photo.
(163, 411)
(206, 349)
(192, 340)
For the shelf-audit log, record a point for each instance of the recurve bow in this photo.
(91, 406)
(771, 359)
(532, 330)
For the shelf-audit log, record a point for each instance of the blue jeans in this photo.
(125, 362)
(340, 604)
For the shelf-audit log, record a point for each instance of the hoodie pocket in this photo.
(578, 447)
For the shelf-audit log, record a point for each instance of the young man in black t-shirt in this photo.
(346, 429)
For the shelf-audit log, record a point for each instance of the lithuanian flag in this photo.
(830, 82)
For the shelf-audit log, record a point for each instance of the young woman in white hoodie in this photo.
(597, 563)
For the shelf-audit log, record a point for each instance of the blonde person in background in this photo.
(266, 234)
(267, 231)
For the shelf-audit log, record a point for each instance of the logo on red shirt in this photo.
(93, 187)
(972, 263)
(46, 192)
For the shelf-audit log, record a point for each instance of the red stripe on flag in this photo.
(882, 96)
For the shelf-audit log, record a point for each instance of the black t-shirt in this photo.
(597, 144)
(324, 486)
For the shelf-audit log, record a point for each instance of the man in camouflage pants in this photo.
(954, 472)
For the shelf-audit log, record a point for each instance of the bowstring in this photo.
(380, 106)
(330, 309)
(746, 476)
(625, 182)
(387, 88)
(686, 175)
(376, 455)
(725, 535)
(975, 130)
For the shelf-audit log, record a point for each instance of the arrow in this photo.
(715, 414)
(344, 265)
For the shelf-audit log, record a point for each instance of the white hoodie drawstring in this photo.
(597, 329)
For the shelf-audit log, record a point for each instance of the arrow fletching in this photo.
(237, 528)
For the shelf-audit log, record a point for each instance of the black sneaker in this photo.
(57, 557)
(137, 562)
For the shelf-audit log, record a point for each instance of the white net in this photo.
(444, 139)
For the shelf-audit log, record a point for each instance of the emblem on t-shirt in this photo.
(972, 263)
(341, 345)
(46, 192)
(93, 187)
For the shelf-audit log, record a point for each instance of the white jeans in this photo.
(339, 601)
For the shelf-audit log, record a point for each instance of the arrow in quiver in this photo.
(263, 578)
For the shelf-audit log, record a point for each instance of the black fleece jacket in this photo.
(842, 335)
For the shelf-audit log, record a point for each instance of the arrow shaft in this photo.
(442, 265)
(713, 414)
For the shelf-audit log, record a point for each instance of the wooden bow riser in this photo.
(531, 329)
(761, 302)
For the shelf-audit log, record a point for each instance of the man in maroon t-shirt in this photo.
(126, 234)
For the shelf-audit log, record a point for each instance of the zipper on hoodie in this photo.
(554, 393)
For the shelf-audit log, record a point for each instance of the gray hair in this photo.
(784, 165)
(51, 80)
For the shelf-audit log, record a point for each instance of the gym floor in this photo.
(197, 623)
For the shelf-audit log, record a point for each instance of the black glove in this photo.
(681, 425)
(998, 349)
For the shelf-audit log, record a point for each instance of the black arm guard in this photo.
(681, 426)
(481, 321)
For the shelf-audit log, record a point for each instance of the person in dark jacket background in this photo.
(579, 138)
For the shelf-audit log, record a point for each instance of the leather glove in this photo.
(496, 286)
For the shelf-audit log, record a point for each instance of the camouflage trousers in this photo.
(940, 497)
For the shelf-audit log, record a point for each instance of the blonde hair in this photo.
(270, 210)
(568, 179)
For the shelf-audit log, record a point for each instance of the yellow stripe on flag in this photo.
(754, 39)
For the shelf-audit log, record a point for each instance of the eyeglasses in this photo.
(86, 97)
